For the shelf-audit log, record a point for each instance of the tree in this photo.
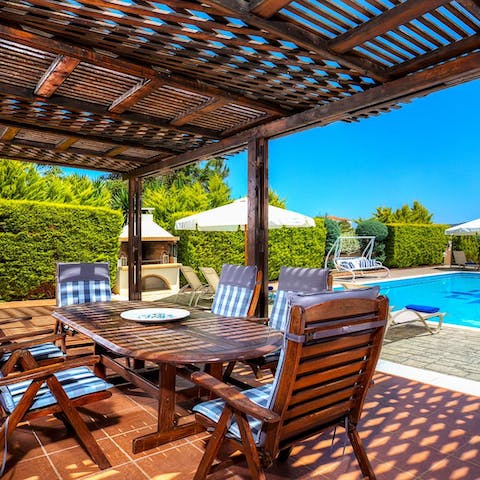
(406, 214)
(275, 200)
(20, 181)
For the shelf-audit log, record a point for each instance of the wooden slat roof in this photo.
(138, 87)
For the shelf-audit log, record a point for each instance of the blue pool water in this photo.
(458, 294)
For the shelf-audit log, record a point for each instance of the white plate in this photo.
(155, 315)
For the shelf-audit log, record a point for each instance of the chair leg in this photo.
(214, 444)
(284, 454)
(228, 371)
(78, 424)
(249, 447)
(361, 454)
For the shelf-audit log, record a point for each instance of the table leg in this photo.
(167, 429)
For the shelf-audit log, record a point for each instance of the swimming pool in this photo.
(458, 294)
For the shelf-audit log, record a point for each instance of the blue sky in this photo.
(429, 151)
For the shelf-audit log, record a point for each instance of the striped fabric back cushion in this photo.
(83, 292)
(232, 301)
(280, 311)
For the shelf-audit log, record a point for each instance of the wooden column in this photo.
(134, 238)
(258, 214)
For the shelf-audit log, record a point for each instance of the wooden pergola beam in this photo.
(439, 55)
(81, 106)
(38, 160)
(301, 37)
(382, 23)
(71, 138)
(114, 152)
(471, 5)
(9, 134)
(55, 75)
(196, 112)
(464, 68)
(267, 8)
(135, 94)
(130, 68)
(64, 145)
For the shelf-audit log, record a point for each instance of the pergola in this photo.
(140, 87)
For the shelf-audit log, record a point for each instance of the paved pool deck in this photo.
(453, 352)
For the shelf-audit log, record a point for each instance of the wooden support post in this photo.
(134, 238)
(258, 214)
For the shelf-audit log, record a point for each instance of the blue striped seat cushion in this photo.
(72, 293)
(75, 381)
(40, 352)
(232, 301)
(213, 409)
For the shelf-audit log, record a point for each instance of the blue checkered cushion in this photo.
(232, 301)
(71, 293)
(75, 381)
(213, 409)
(40, 352)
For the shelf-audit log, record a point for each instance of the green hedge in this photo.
(299, 247)
(412, 245)
(467, 243)
(36, 235)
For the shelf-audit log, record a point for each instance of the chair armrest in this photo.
(19, 336)
(4, 321)
(47, 370)
(236, 399)
(30, 343)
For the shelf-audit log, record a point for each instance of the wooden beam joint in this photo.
(55, 75)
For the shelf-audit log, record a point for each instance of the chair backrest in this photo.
(82, 283)
(459, 257)
(295, 280)
(235, 291)
(211, 276)
(191, 277)
(331, 350)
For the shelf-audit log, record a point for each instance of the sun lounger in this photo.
(417, 313)
(461, 260)
(211, 276)
(194, 288)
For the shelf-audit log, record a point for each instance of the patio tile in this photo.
(128, 471)
(24, 445)
(452, 468)
(178, 462)
(38, 468)
(470, 451)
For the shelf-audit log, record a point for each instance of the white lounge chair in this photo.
(417, 313)
(194, 288)
(211, 276)
(355, 265)
(461, 260)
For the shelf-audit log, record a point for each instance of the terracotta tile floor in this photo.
(411, 431)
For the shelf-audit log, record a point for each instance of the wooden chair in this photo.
(325, 369)
(42, 342)
(291, 280)
(238, 291)
(57, 388)
(82, 283)
(78, 282)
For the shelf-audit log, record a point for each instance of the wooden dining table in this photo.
(200, 338)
